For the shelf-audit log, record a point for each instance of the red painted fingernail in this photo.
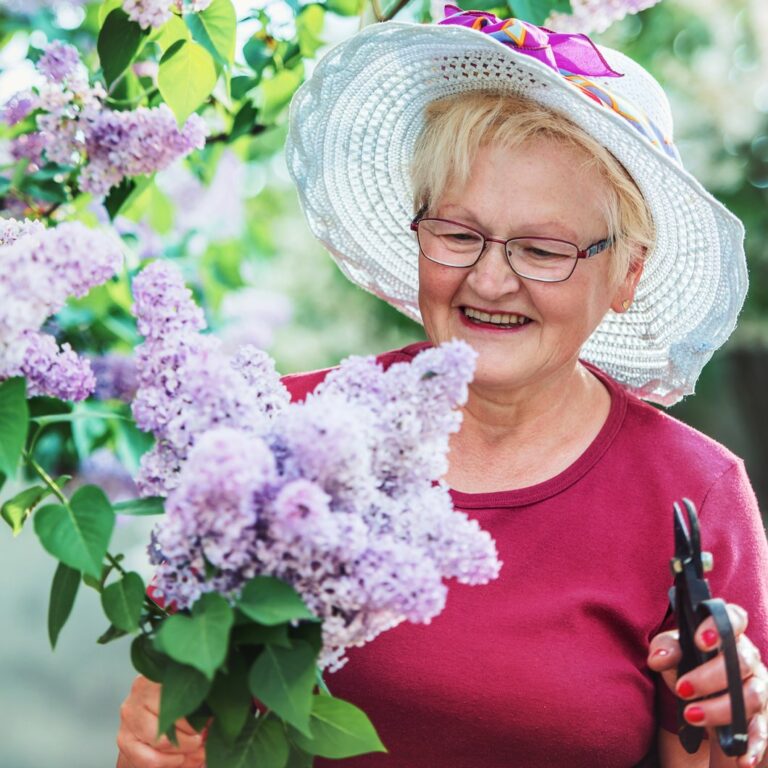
(709, 636)
(695, 714)
(684, 689)
(659, 653)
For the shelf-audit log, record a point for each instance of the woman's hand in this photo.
(137, 738)
(710, 678)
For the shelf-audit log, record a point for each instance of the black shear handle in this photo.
(733, 737)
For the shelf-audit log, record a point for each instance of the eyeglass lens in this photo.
(454, 245)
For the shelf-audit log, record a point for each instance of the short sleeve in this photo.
(733, 531)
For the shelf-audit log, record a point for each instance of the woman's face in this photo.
(541, 189)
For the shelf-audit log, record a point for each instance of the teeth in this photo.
(497, 319)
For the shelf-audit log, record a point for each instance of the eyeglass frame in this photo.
(585, 253)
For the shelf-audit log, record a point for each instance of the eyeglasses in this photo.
(545, 259)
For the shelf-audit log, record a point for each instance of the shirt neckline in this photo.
(532, 494)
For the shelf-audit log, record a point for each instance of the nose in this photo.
(492, 276)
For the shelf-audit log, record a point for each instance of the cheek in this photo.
(437, 287)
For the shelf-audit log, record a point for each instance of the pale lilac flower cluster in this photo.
(335, 495)
(588, 16)
(187, 384)
(75, 128)
(132, 143)
(104, 469)
(39, 270)
(154, 13)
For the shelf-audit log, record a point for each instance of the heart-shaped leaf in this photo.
(201, 639)
(230, 698)
(119, 41)
(214, 28)
(270, 601)
(186, 77)
(283, 680)
(339, 729)
(122, 602)
(78, 534)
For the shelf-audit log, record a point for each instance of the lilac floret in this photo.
(59, 61)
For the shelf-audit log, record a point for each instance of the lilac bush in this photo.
(39, 270)
(154, 13)
(588, 16)
(334, 495)
(74, 127)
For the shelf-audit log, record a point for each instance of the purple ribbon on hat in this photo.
(562, 52)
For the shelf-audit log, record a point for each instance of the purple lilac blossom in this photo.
(59, 62)
(148, 13)
(132, 143)
(104, 469)
(39, 270)
(336, 495)
(18, 107)
(75, 128)
(588, 16)
(187, 384)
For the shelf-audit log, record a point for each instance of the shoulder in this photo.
(299, 385)
(657, 442)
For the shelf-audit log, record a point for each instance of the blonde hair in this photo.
(456, 127)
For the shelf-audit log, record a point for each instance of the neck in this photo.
(511, 438)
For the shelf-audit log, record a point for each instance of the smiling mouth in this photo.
(497, 319)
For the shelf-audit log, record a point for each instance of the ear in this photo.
(625, 292)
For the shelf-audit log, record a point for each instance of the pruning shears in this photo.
(692, 602)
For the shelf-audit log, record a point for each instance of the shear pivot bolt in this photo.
(707, 561)
(676, 564)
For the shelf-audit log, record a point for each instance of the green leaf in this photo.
(16, 510)
(537, 11)
(261, 743)
(276, 93)
(283, 680)
(241, 84)
(107, 7)
(112, 633)
(200, 640)
(309, 26)
(171, 32)
(183, 691)
(214, 28)
(78, 534)
(118, 43)
(297, 758)
(14, 422)
(118, 196)
(152, 505)
(66, 582)
(147, 660)
(122, 602)
(229, 698)
(255, 634)
(345, 7)
(270, 601)
(257, 56)
(244, 121)
(339, 729)
(186, 77)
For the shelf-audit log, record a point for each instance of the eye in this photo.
(539, 253)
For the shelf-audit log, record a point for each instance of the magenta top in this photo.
(547, 665)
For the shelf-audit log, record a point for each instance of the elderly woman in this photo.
(559, 235)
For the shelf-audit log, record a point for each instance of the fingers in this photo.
(707, 637)
(712, 676)
(758, 741)
(137, 738)
(709, 713)
(664, 651)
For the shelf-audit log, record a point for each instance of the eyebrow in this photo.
(470, 217)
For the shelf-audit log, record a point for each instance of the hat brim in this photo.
(353, 127)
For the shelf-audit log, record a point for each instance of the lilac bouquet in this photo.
(292, 531)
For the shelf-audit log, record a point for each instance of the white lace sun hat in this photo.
(354, 124)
